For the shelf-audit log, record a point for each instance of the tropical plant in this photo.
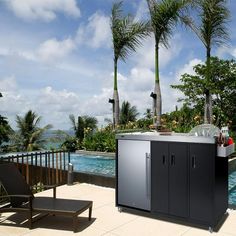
(81, 124)
(5, 130)
(102, 140)
(182, 120)
(71, 144)
(223, 88)
(212, 31)
(165, 15)
(128, 113)
(127, 35)
(148, 113)
(29, 136)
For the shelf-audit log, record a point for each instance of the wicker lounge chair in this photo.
(21, 198)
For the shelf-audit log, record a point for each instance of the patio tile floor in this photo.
(106, 220)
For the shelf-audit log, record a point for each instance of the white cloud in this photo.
(53, 105)
(145, 55)
(42, 9)
(49, 51)
(62, 100)
(140, 82)
(169, 96)
(233, 53)
(225, 51)
(8, 84)
(27, 55)
(188, 68)
(98, 104)
(141, 79)
(53, 49)
(96, 33)
(12, 101)
(142, 10)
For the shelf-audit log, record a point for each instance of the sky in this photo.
(56, 58)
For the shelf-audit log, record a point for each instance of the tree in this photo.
(29, 136)
(212, 31)
(145, 122)
(148, 113)
(128, 113)
(127, 35)
(223, 89)
(5, 130)
(183, 119)
(165, 15)
(82, 123)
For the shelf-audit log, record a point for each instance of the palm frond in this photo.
(164, 17)
(73, 121)
(90, 122)
(128, 113)
(29, 134)
(214, 15)
(127, 34)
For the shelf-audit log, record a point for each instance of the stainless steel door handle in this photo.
(148, 174)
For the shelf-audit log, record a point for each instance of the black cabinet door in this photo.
(202, 158)
(178, 179)
(159, 177)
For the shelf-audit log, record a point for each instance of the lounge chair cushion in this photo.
(60, 206)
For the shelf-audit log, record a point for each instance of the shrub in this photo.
(102, 140)
(71, 144)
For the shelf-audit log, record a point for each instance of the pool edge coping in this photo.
(105, 154)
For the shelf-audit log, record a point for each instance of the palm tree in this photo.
(5, 130)
(148, 113)
(165, 15)
(29, 136)
(82, 123)
(127, 35)
(212, 31)
(128, 113)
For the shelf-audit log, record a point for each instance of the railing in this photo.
(41, 167)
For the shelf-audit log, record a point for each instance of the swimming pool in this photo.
(232, 188)
(93, 164)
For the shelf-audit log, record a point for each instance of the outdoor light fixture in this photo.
(111, 100)
(153, 95)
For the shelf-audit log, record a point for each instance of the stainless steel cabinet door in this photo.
(134, 175)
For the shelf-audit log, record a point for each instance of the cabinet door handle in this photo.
(172, 161)
(148, 175)
(194, 162)
(163, 159)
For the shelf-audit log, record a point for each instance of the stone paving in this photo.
(106, 220)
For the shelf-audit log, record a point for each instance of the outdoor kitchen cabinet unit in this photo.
(177, 178)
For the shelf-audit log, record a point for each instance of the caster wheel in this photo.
(210, 229)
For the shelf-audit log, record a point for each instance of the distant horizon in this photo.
(57, 59)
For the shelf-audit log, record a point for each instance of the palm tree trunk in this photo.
(208, 108)
(208, 114)
(157, 101)
(157, 105)
(116, 107)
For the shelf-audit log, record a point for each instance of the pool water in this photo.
(93, 164)
(232, 188)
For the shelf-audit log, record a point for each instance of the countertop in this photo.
(173, 137)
